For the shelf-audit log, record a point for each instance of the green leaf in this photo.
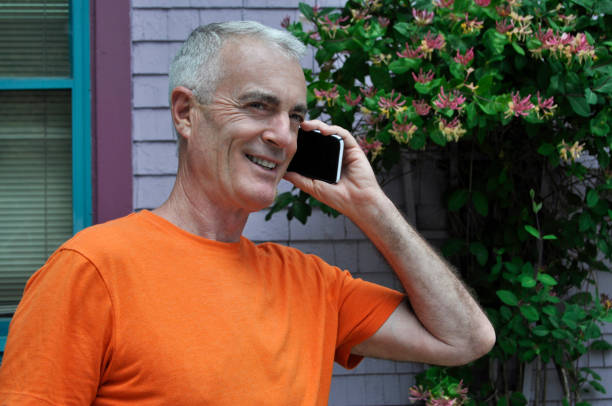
(306, 11)
(494, 41)
(546, 149)
(585, 221)
(458, 199)
(590, 97)
(600, 345)
(527, 281)
(480, 252)
(597, 386)
(603, 85)
(403, 65)
(507, 297)
(533, 231)
(530, 313)
(592, 198)
(540, 331)
(549, 237)
(380, 78)
(403, 29)
(518, 48)
(481, 204)
(579, 105)
(546, 279)
(300, 210)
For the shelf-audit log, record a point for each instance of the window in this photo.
(45, 164)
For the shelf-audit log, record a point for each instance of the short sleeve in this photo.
(363, 307)
(59, 340)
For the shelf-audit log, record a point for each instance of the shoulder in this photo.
(109, 235)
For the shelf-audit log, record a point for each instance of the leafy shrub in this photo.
(514, 98)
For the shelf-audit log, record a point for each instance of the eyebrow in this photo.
(270, 99)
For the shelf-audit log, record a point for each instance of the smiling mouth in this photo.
(261, 162)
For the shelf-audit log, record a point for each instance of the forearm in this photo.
(439, 299)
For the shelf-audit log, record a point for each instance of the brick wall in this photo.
(158, 28)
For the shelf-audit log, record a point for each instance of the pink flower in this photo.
(391, 103)
(329, 96)
(518, 106)
(423, 77)
(403, 131)
(374, 147)
(444, 3)
(545, 106)
(349, 99)
(453, 101)
(453, 130)
(422, 17)
(418, 393)
(434, 42)
(469, 26)
(332, 26)
(421, 107)
(285, 22)
(503, 27)
(383, 22)
(482, 3)
(410, 53)
(465, 59)
(368, 91)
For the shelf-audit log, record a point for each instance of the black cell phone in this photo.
(318, 156)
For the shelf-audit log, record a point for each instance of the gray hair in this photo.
(196, 65)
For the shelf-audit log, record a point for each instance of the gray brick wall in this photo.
(158, 28)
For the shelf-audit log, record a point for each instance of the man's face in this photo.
(243, 140)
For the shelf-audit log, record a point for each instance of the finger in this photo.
(327, 129)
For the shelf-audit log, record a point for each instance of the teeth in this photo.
(262, 162)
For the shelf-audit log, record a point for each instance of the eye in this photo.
(297, 117)
(257, 105)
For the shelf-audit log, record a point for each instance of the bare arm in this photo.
(443, 323)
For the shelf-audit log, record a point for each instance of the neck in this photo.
(201, 216)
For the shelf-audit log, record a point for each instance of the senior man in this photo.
(174, 307)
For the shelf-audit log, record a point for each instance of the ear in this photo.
(182, 100)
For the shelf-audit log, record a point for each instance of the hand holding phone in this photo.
(318, 156)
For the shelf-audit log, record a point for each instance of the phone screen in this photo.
(318, 156)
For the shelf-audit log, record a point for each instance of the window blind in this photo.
(35, 184)
(34, 38)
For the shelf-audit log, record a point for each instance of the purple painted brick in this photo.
(318, 227)
(150, 57)
(321, 249)
(329, 3)
(374, 390)
(149, 25)
(370, 259)
(153, 125)
(150, 91)
(216, 3)
(151, 191)
(271, 3)
(181, 23)
(215, 16)
(346, 254)
(258, 229)
(155, 158)
(270, 18)
(160, 3)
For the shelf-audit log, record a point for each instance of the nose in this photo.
(280, 133)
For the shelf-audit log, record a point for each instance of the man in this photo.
(174, 307)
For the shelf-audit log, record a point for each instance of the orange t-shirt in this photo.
(137, 311)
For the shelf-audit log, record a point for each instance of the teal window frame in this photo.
(79, 85)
